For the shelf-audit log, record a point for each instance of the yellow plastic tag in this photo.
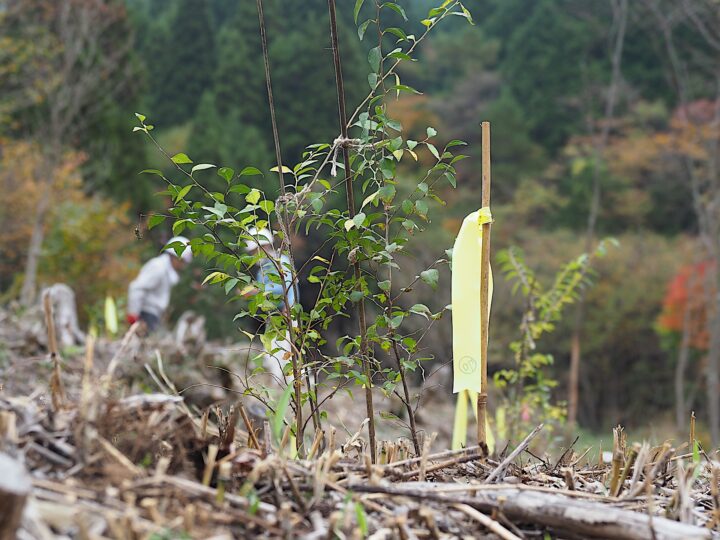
(459, 438)
(111, 317)
(467, 331)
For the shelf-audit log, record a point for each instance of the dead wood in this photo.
(14, 489)
(561, 513)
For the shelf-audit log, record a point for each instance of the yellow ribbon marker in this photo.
(111, 317)
(467, 328)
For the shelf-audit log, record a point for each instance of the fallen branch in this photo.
(561, 513)
(499, 473)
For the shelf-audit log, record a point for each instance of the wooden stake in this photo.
(484, 290)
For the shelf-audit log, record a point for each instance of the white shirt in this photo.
(150, 291)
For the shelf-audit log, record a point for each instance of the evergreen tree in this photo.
(184, 67)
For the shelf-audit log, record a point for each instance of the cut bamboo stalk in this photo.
(250, 428)
(57, 391)
(692, 431)
(15, 487)
(484, 290)
(209, 464)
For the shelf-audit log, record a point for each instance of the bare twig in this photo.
(499, 473)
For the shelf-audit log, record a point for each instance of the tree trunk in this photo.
(15, 486)
(29, 288)
(619, 21)
(713, 364)
(680, 368)
(574, 376)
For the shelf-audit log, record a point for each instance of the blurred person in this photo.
(149, 292)
(268, 276)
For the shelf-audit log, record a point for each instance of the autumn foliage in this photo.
(90, 245)
(687, 303)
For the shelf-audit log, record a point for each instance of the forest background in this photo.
(605, 123)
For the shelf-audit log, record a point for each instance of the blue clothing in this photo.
(268, 270)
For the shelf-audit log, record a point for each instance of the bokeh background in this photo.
(605, 120)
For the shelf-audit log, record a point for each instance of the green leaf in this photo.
(278, 420)
(399, 55)
(140, 117)
(369, 199)
(405, 88)
(181, 158)
(394, 124)
(430, 277)
(215, 277)
(284, 169)
(239, 188)
(356, 10)
(455, 142)
(253, 197)
(397, 32)
(202, 167)
(396, 321)
(153, 171)
(431, 132)
(184, 191)
(387, 193)
(227, 173)
(407, 206)
(451, 178)
(395, 7)
(422, 208)
(361, 519)
(155, 220)
(219, 209)
(374, 57)
(230, 284)
(267, 206)
(421, 309)
(411, 144)
(250, 171)
(433, 151)
(358, 219)
(179, 226)
(363, 28)
(384, 285)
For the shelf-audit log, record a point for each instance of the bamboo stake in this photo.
(484, 290)
(296, 367)
(351, 210)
